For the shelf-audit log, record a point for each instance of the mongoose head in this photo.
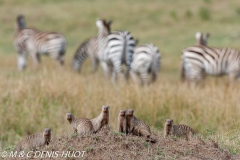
(130, 112)
(168, 122)
(122, 112)
(47, 135)
(69, 117)
(105, 109)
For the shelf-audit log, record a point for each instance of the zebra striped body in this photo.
(202, 38)
(115, 48)
(34, 42)
(87, 48)
(200, 60)
(146, 59)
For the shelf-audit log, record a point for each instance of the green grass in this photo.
(33, 100)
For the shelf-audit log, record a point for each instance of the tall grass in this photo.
(36, 99)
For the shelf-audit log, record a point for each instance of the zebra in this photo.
(202, 38)
(199, 61)
(115, 48)
(34, 42)
(87, 48)
(146, 59)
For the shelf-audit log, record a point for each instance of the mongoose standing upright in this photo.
(80, 125)
(35, 141)
(138, 127)
(122, 121)
(101, 120)
(180, 130)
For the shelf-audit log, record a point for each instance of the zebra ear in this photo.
(207, 35)
(198, 35)
(136, 42)
(109, 22)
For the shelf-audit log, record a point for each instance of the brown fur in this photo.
(138, 127)
(80, 125)
(101, 120)
(35, 141)
(180, 130)
(122, 121)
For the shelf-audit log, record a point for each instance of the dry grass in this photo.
(111, 145)
(36, 99)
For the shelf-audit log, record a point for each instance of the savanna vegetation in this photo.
(40, 98)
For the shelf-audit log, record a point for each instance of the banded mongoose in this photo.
(122, 122)
(80, 125)
(180, 130)
(35, 141)
(101, 120)
(202, 38)
(138, 127)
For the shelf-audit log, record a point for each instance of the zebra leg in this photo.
(94, 64)
(114, 75)
(38, 57)
(144, 78)
(128, 71)
(233, 76)
(105, 69)
(183, 74)
(22, 61)
(154, 76)
(118, 69)
(60, 59)
(35, 58)
(134, 76)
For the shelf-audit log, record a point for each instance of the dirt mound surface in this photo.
(108, 145)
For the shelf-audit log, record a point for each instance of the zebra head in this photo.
(21, 22)
(103, 25)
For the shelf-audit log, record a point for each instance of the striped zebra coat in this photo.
(202, 38)
(199, 60)
(34, 42)
(89, 48)
(114, 49)
(146, 59)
